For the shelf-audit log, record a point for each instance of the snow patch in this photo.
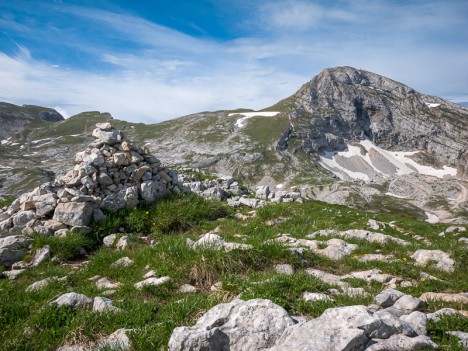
(279, 186)
(4, 142)
(400, 160)
(431, 105)
(241, 122)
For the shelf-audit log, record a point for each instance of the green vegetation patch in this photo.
(159, 241)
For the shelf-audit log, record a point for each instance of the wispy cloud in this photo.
(161, 73)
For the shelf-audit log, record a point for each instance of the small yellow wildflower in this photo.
(147, 212)
(404, 259)
(423, 280)
(355, 256)
(118, 283)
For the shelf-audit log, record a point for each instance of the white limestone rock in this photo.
(444, 262)
(236, 326)
(122, 262)
(42, 255)
(400, 342)
(74, 213)
(103, 304)
(153, 281)
(75, 300)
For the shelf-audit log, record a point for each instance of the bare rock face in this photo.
(236, 326)
(345, 103)
(261, 325)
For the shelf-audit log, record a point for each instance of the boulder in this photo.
(235, 326)
(388, 297)
(74, 299)
(74, 213)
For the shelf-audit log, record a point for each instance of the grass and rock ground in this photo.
(158, 241)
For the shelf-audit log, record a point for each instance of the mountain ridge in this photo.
(338, 108)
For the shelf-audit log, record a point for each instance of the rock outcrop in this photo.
(346, 104)
(261, 325)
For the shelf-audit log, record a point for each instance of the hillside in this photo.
(347, 136)
(120, 254)
(14, 118)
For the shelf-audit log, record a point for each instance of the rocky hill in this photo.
(348, 136)
(14, 118)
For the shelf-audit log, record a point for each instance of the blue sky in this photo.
(154, 60)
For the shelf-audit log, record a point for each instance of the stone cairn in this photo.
(111, 173)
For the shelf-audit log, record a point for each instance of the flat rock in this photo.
(435, 316)
(110, 137)
(442, 259)
(417, 321)
(109, 240)
(327, 277)
(286, 269)
(75, 300)
(152, 282)
(13, 274)
(104, 283)
(432, 296)
(187, 288)
(402, 343)
(370, 276)
(308, 296)
(405, 305)
(210, 240)
(123, 243)
(122, 262)
(336, 249)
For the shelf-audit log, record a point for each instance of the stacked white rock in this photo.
(111, 173)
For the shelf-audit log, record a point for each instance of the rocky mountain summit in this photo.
(344, 104)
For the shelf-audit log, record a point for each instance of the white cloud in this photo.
(169, 74)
